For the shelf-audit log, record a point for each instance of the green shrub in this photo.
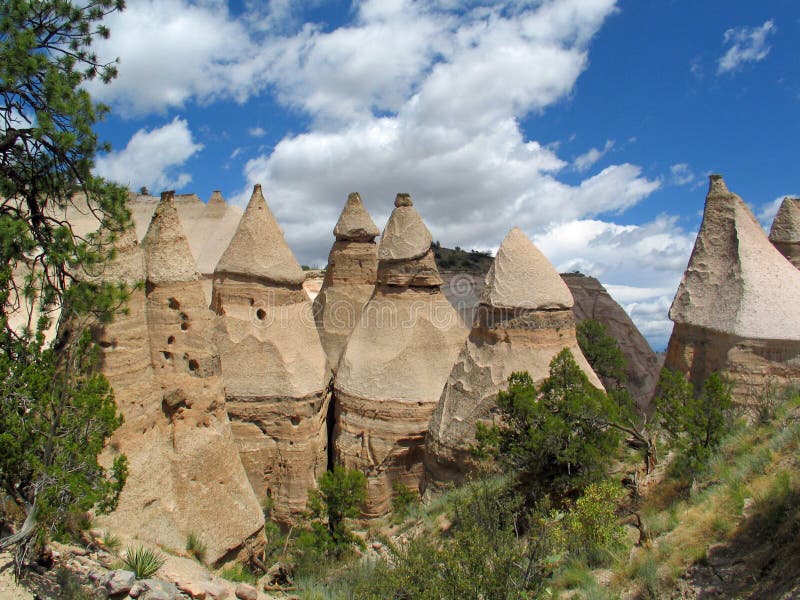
(239, 573)
(111, 542)
(555, 438)
(495, 548)
(195, 546)
(602, 351)
(142, 561)
(694, 422)
(339, 497)
(403, 500)
(591, 529)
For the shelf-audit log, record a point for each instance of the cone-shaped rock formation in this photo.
(272, 362)
(395, 363)
(349, 279)
(736, 310)
(785, 232)
(524, 319)
(161, 361)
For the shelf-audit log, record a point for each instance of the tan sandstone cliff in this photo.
(523, 320)
(163, 365)
(349, 278)
(395, 363)
(273, 363)
(736, 309)
(785, 231)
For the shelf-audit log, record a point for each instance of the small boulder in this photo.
(154, 589)
(246, 591)
(119, 582)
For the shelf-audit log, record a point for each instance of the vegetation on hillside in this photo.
(567, 509)
(449, 259)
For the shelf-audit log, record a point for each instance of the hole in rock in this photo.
(167, 355)
(194, 365)
(252, 302)
(295, 420)
(171, 339)
(174, 304)
(261, 314)
(184, 325)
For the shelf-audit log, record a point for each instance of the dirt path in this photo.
(9, 590)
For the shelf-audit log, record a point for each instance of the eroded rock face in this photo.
(736, 309)
(165, 370)
(273, 364)
(785, 231)
(395, 363)
(349, 279)
(592, 301)
(524, 319)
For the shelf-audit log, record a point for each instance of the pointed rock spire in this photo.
(736, 282)
(355, 223)
(168, 256)
(785, 232)
(524, 320)
(786, 226)
(405, 237)
(258, 248)
(127, 265)
(522, 277)
(217, 199)
(349, 278)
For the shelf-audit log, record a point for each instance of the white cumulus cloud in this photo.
(171, 51)
(425, 97)
(681, 174)
(640, 265)
(151, 158)
(590, 157)
(745, 44)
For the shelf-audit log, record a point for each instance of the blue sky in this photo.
(591, 124)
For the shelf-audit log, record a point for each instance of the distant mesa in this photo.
(736, 308)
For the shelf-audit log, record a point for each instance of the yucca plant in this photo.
(110, 542)
(142, 561)
(195, 546)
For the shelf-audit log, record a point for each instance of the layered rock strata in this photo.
(273, 363)
(395, 363)
(785, 231)
(349, 279)
(523, 320)
(165, 370)
(736, 309)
